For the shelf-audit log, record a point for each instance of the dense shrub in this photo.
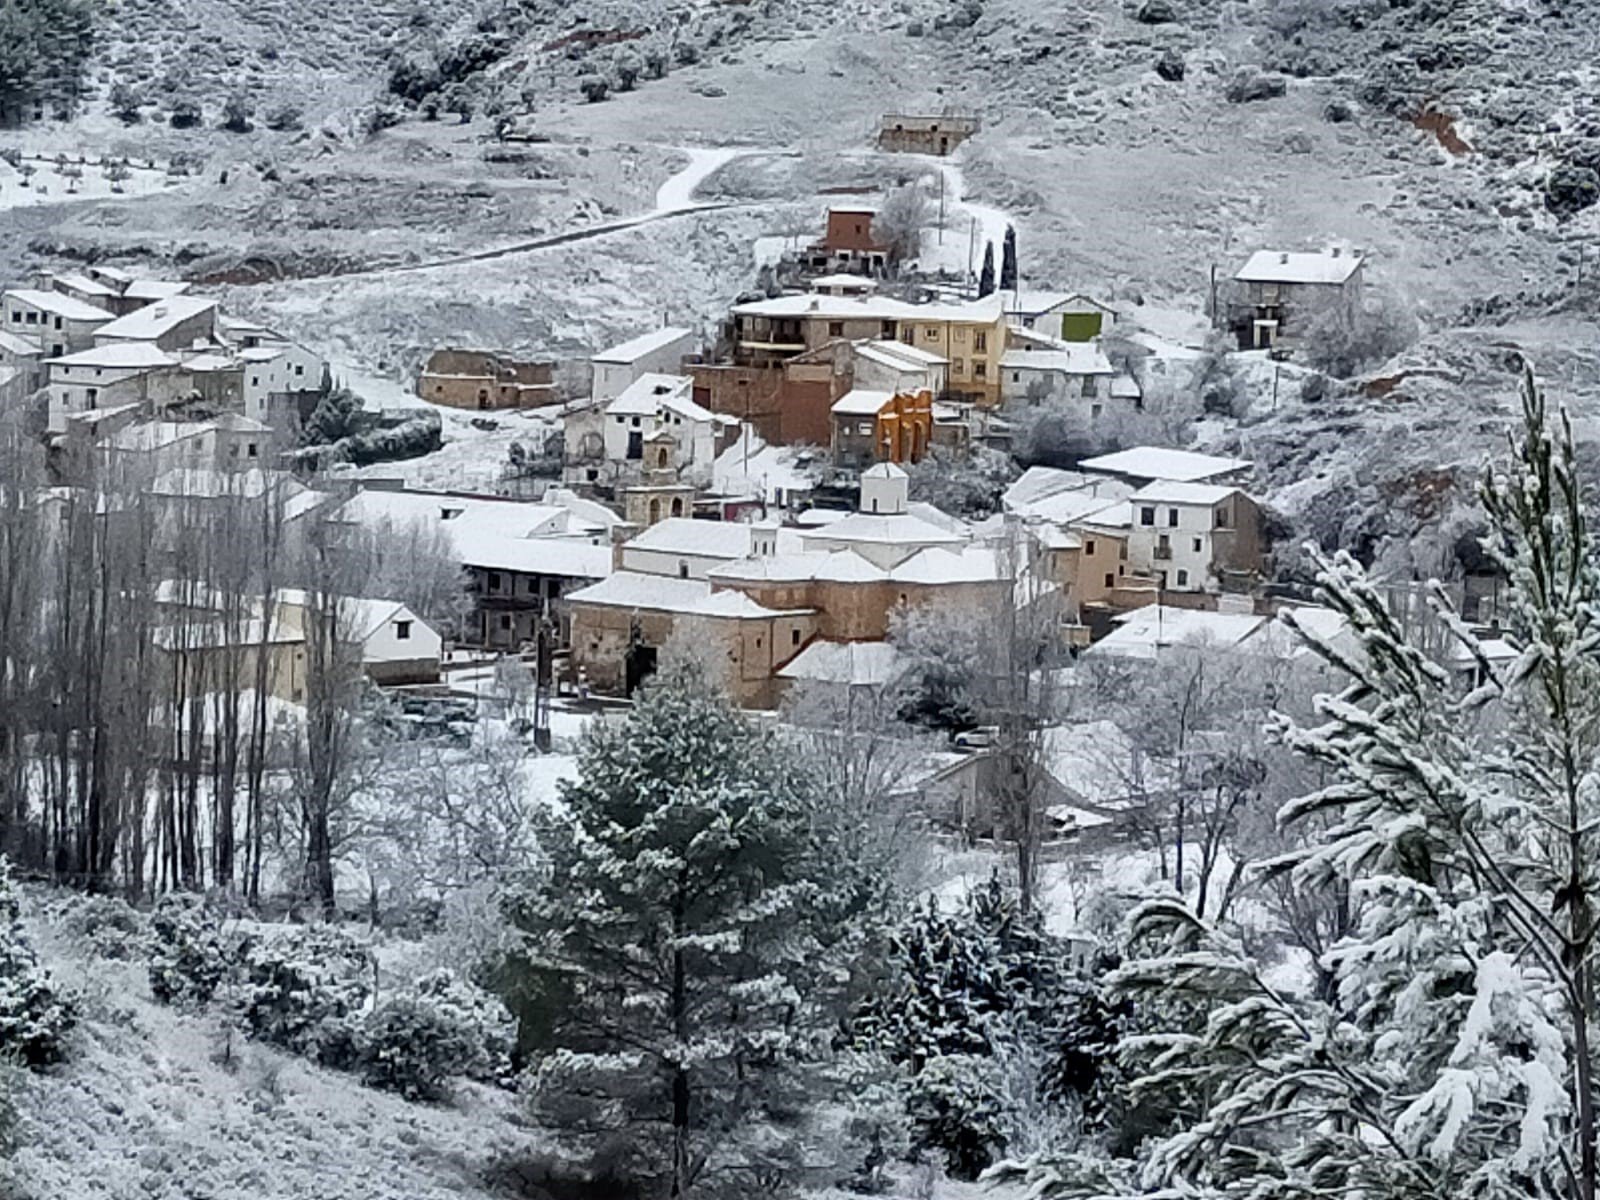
(417, 1040)
(299, 987)
(34, 1017)
(108, 927)
(188, 959)
(958, 1106)
(185, 114)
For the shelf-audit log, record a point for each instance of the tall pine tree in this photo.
(986, 278)
(1456, 1057)
(1008, 261)
(702, 915)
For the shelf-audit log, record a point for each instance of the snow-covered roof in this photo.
(894, 529)
(803, 566)
(1032, 303)
(661, 593)
(209, 361)
(898, 356)
(884, 470)
(123, 356)
(560, 557)
(505, 518)
(1057, 495)
(855, 282)
(20, 347)
(1167, 491)
(89, 287)
(69, 308)
(1161, 462)
(870, 308)
(264, 353)
(1074, 358)
(153, 320)
(1125, 387)
(857, 664)
(154, 289)
(704, 539)
(751, 467)
(1145, 632)
(861, 402)
(1284, 266)
(1278, 640)
(936, 565)
(818, 518)
(645, 396)
(634, 349)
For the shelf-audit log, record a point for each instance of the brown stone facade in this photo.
(485, 381)
(788, 403)
(617, 648)
(904, 134)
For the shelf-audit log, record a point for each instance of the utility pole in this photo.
(941, 215)
(1213, 293)
(972, 245)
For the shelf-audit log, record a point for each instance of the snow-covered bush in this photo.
(441, 1027)
(106, 926)
(34, 1017)
(957, 1103)
(968, 486)
(300, 985)
(188, 959)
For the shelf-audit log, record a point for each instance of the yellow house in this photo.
(972, 336)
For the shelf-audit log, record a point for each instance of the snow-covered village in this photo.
(779, 600)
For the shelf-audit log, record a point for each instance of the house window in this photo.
(794, 637)
(758, 643)
(835, 329)
(1016, 377)
(958, 365)
(980, 369)
(961, 333)
(1088, 547)
(402, 630)
(33, 318)
(1183, 578)
(980, 342)
(1221, 519)
(91, 393)
(1095, 410)
(1197, 545)
(494, 581)
(1110, 580)
(250, 450)
(58, 322)
(930, 333)
(636, 422)
(683, 569)
(622, 420)
(1172, 518)
(255, 381)
(299, 369)
(887, 331)
(505, 620)
(1091, 386)
(1147, 515)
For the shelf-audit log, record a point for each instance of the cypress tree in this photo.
(986, 279)
(1008, 261)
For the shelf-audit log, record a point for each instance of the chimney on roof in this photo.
(815, 304)
(1283, 259)
(1336, 252)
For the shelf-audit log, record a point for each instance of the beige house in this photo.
(485, 381)
(621, 624)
